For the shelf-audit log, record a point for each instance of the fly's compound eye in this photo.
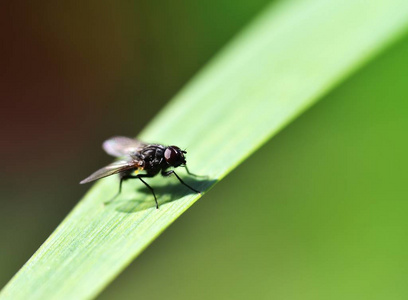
(173, 156)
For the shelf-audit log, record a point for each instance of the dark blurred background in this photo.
(320, 211)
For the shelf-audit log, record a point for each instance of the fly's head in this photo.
(174, 156)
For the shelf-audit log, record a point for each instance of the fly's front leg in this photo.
(195, 175)
(168, 173)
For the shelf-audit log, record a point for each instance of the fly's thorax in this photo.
(152, 156)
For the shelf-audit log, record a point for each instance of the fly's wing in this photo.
(114, 168)
(121, 146)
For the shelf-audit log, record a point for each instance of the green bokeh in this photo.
(318, 213)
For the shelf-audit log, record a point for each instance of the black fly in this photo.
(137, 156)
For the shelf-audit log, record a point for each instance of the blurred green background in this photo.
(317, 213)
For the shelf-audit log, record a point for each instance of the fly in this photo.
(138, 156)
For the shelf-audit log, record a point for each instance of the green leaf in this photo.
(279, 66)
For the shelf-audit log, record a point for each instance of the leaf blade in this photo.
(275, 82)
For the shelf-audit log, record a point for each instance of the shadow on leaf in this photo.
(164, 193)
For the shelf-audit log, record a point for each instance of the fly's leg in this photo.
(192, 174)
(118, 193)
(145, 183)
(168, 173)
